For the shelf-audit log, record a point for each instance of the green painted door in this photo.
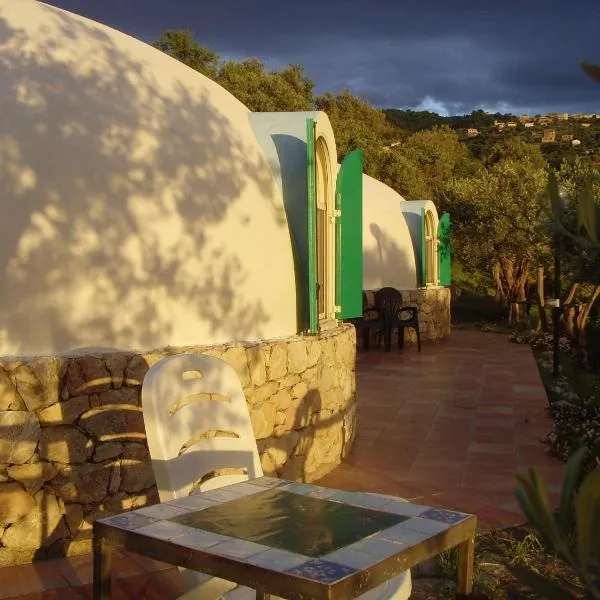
(444, 249)
(313, 315)
(349, 237)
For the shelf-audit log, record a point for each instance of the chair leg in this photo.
(366, 337)
(418, 337)
(400, 338)
(387, 339)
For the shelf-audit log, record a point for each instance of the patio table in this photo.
(289, 539)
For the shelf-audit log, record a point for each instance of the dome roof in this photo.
(388, 253)
(138, 209)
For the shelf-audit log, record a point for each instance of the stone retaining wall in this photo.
(72, 439)
(434, 312)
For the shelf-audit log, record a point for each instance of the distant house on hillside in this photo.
(529, 124)
(549, 136)
(511, 124)
(567, 137)
(576, 142)
(472, 132)
(585, 124)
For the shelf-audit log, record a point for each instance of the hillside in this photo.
(558, 137)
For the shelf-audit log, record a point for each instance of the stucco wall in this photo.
(72, 438)
(282, 138)
(434, 313)
(388, 253)
(411, 210)
(138, 208)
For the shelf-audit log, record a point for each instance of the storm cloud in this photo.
(452, 57)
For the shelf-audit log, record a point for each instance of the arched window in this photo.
(430, 250)
(324, 230)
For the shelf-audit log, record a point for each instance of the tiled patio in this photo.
(450, 426)
(447, 427)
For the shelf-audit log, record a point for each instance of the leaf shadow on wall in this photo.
(114, 187)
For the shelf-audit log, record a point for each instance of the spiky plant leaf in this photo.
(592, 70)
(588, 519)
(539, 584)
(571, 479)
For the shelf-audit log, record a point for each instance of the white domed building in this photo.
(147, 212)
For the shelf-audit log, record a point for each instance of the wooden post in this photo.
(466, 558)
(102, 567)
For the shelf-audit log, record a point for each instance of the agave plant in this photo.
(572, 530)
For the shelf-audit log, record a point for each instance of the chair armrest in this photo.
(413, 310)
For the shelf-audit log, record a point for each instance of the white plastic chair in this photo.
(197, 425)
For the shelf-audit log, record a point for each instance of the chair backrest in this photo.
(198, 426)
(388, 300)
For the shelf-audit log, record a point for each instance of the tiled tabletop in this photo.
(306, 532)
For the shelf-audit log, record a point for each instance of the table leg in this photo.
(102, 566)
(466, 558)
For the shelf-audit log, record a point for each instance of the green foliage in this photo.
(267, 91)
(578, 516)
(182, 46)
(497, 212)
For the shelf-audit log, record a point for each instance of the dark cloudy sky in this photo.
(451, 56)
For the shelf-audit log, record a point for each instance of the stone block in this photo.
(277, 367)
(297, 357)
(282, 448)
(136, 371)
(95, 375)
(257, 365)
(84, 484)
(73, 517)
(15, 503)
(38, 381)
(114, 423)
(40, 527)
(263, 419)
(19, 435)
(116, 365)
(136, 475)
(8, 391)
(236, 357)
(32, 476)
(123, 395)
(64, 444)
(262, 393)
(314, 353)
(281, 400)
(107, 451)
(64, 412)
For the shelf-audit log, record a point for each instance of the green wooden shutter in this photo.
(348, 237)
(423, 250)
(444, 249)
(313, 317)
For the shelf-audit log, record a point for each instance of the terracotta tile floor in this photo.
(447, 427)
(451, 426)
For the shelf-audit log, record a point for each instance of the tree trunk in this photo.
(584, 313)
(511, 279)
(569, 312)
(543, 320)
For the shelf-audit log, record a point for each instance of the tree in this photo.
(357, 124)
(266, 91)
(181, 45)
(497, 222)
(440, 156)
